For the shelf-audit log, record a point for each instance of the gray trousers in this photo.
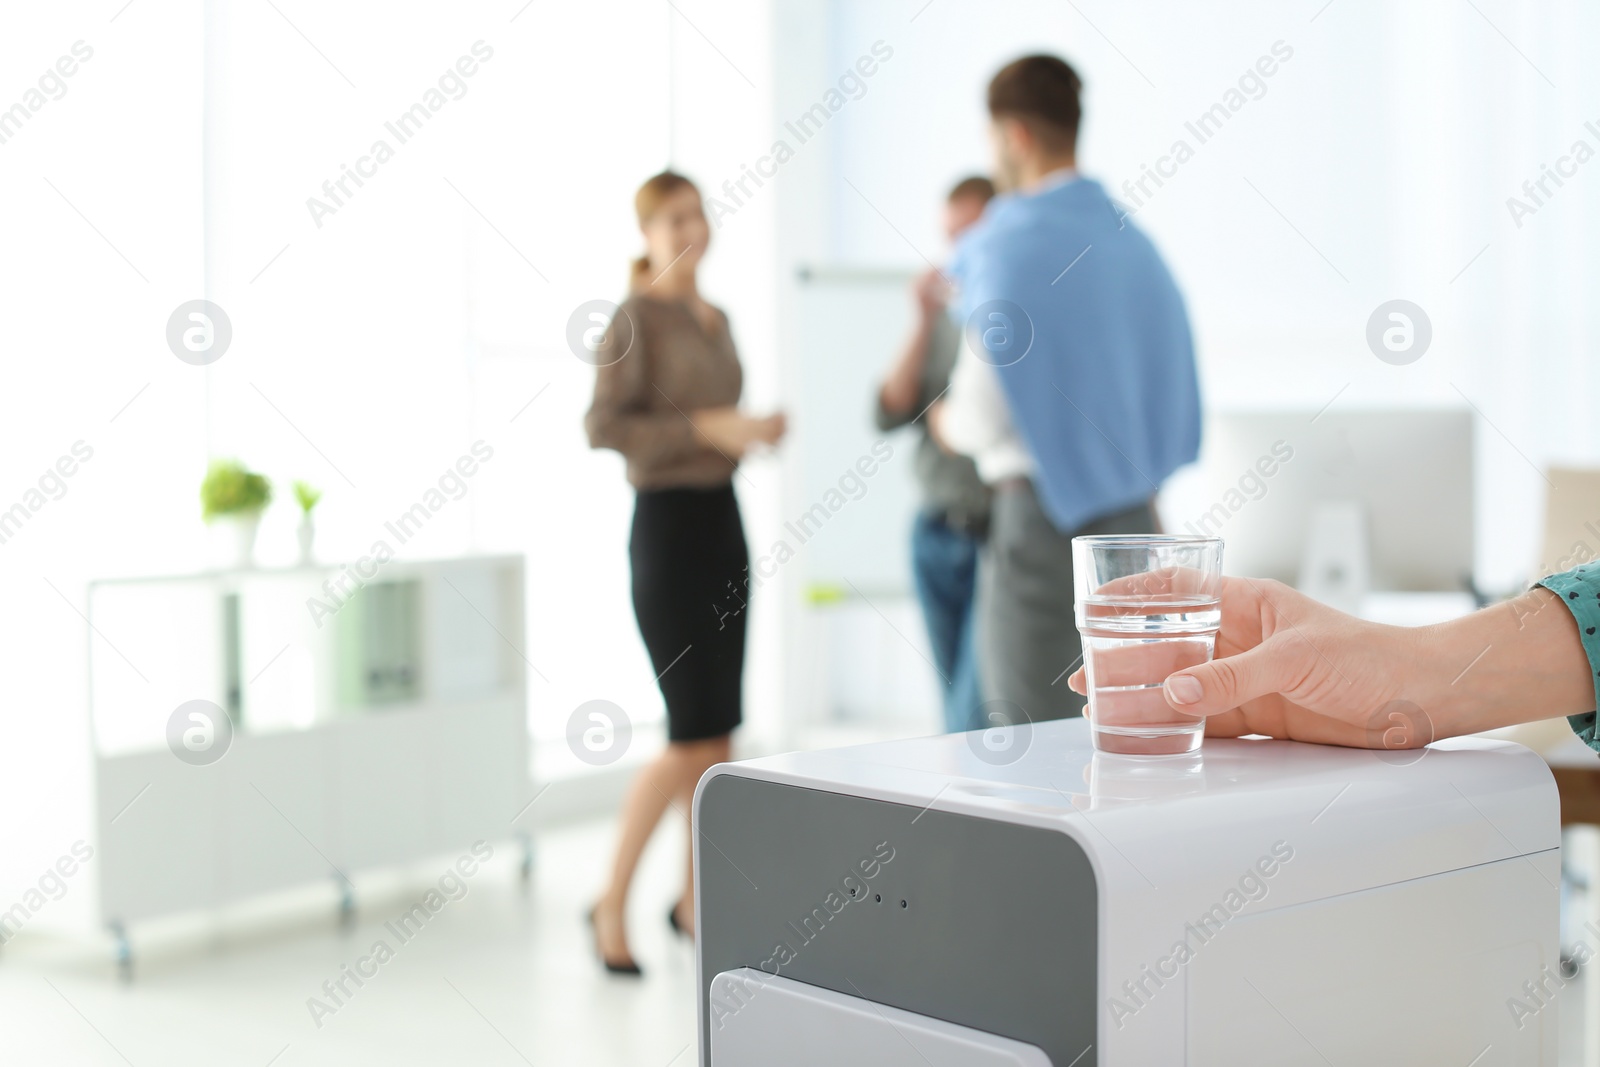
(1028, 641)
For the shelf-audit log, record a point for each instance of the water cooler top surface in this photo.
(1359, 818)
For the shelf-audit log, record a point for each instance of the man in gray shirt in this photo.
(955, 503)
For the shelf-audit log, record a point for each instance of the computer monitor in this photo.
(1404, 475)
(1572, 503)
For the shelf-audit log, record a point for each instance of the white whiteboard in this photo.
(851, 324)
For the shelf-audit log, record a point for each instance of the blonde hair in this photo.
(646, 202)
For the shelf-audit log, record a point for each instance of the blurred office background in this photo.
(374, 344)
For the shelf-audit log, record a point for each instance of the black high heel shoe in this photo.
(672, 921)
(630, 968)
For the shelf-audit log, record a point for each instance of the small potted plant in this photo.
(307, 498)
(232, 498)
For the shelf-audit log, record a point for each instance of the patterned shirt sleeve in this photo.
(1579, 590)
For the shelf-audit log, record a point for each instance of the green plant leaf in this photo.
(306, 496)
(229, 488)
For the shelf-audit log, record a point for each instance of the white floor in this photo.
(498, 977)
(501, 976)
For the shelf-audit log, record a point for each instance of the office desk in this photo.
(1576, 767)
(1580, 794)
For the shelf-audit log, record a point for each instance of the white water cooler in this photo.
(956, 902)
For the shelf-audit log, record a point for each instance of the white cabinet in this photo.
(393, 730)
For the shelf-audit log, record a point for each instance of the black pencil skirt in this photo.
(690, 594)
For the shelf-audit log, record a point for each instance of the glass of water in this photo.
(1147, 605)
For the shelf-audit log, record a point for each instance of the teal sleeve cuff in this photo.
(1579, 590)
(1585, 725)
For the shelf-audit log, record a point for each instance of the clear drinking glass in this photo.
(1147, 605)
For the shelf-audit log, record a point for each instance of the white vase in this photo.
(234, 540)
(305, 533)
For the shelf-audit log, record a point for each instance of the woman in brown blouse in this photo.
(668, 404)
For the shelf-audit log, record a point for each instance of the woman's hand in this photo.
(1287, 666)
(733, 433)
(769, 429)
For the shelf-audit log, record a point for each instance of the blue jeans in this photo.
(944, 563)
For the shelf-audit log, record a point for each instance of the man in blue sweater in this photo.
(1075, 393)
